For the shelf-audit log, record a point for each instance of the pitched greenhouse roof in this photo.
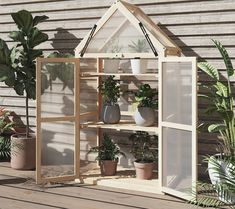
(125, 28)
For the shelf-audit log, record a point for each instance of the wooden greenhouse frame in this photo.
(168, 55)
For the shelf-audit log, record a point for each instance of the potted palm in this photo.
(145, 104)
(18, 71)
(108, 153)
(144, 149)
(139, 65)
(221, 167)
(110, 91)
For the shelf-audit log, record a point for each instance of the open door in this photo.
(177, 125)
(58, 128)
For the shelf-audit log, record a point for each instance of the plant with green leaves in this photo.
(146, 97)
(6, 127)
(108, 150)
(110, 90)
(113, 46)
(140, 46)
(144, 147)
(222, 191)
(17, 65)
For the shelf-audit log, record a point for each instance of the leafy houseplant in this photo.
(110, 91)
(108, 153)
(18, 70)
(221, 167)
(6, 127)
(146, 102)
(144, 149)
(112, 65)
(139, 66)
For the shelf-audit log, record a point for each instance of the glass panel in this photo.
(177, 157)
(116, 36)
(177, 92)
(57, 149)
(57, 99)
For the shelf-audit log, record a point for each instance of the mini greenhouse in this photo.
(68, 117)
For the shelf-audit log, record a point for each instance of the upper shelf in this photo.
(93, 74)
(122, 125)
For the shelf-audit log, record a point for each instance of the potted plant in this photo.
(146, 103)
(18, 71)
(112, 65)
(108, 153)
(139, 65)
(6, 127)
(110, 91)
(221, 167)
(144, 149)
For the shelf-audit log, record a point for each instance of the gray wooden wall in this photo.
(190, 23)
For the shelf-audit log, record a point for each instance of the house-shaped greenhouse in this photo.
(73, 123)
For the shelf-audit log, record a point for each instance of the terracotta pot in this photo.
(108, 167)
(23, 152)
(144, 170)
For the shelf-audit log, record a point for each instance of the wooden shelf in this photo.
(122, 125)
(117, 74)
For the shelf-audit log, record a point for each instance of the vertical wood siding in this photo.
(190, 23)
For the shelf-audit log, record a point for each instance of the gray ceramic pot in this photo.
(144, 116)
(111, 114)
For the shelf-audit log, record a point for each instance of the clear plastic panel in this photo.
(177, 92)
(177, 167)
(57, 149)
(57, 98)
(118, 35)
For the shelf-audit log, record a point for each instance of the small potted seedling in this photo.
(110, 91)
(144, 148)
(108, 153)
(112, 65)
(139, 65)
(145, 105)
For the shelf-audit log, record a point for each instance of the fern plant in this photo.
(222, 191)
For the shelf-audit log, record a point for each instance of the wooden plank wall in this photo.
(190, 23)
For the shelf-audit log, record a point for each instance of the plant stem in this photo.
(27, 116)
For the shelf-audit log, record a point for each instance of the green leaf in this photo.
(17, 36)
(216, 128)
(39, 19)
(4, 52)
(19, 88)
(222, 89)
(209, 70)
(226, 58)
(37, 38)
(34, 53)
(24, 20)
(7, 75)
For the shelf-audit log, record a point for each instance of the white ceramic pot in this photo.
(111, 65)
(138, 66)
(144, 116)
(216, 178)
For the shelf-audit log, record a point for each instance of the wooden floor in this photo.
(18, 190)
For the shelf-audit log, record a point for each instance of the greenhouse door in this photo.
(58, 126)
(177, 125)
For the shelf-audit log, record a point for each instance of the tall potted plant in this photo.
(139, 65)
(110, 91)
(221, 166)
(18, 70)
(144, 149)
(108, 153)
(145, 103)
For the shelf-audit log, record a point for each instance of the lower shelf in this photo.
(122, 125)
(124, 179)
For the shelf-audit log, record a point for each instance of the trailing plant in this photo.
(108, 150)
(144, 147)
(146, 97)
(140, 46)
(17, 65)
(110, 90)
(221, 102)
